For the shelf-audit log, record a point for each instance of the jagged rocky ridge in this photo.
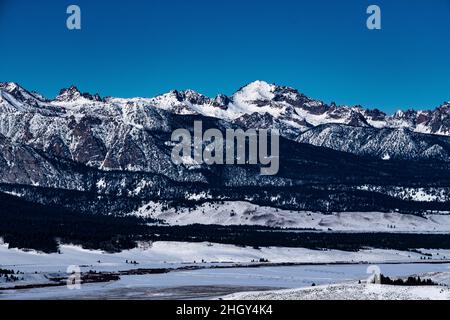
(110, 155)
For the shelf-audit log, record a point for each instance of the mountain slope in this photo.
(383, 143)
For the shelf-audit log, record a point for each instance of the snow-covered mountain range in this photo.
(29, 117)
(116, 147)
(258, 101)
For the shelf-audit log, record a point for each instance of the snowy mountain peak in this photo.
(69, 94)
(73, 94)
(193, 97)
(15, 97)
(445, 106)
(255, 91)
(9, 86)
(399, 114)
(14, 89)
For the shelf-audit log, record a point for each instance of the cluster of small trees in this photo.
(261, 260)
(9, 275)
(411, 281)
(11, 278)
(6, 272)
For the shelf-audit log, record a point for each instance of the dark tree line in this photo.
(28, 225)
(411, 281)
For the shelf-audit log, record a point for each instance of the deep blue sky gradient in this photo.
(321, 47)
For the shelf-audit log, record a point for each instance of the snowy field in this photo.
(214, 276)
(349, 291)
(175, 254)
(245, 213)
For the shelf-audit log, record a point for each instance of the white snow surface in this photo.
(163, 253)
(245, 213)
(349, 291)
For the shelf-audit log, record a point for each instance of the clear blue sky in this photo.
(147, 47)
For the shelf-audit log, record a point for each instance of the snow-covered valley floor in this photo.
(218, 270)
(174, 254)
